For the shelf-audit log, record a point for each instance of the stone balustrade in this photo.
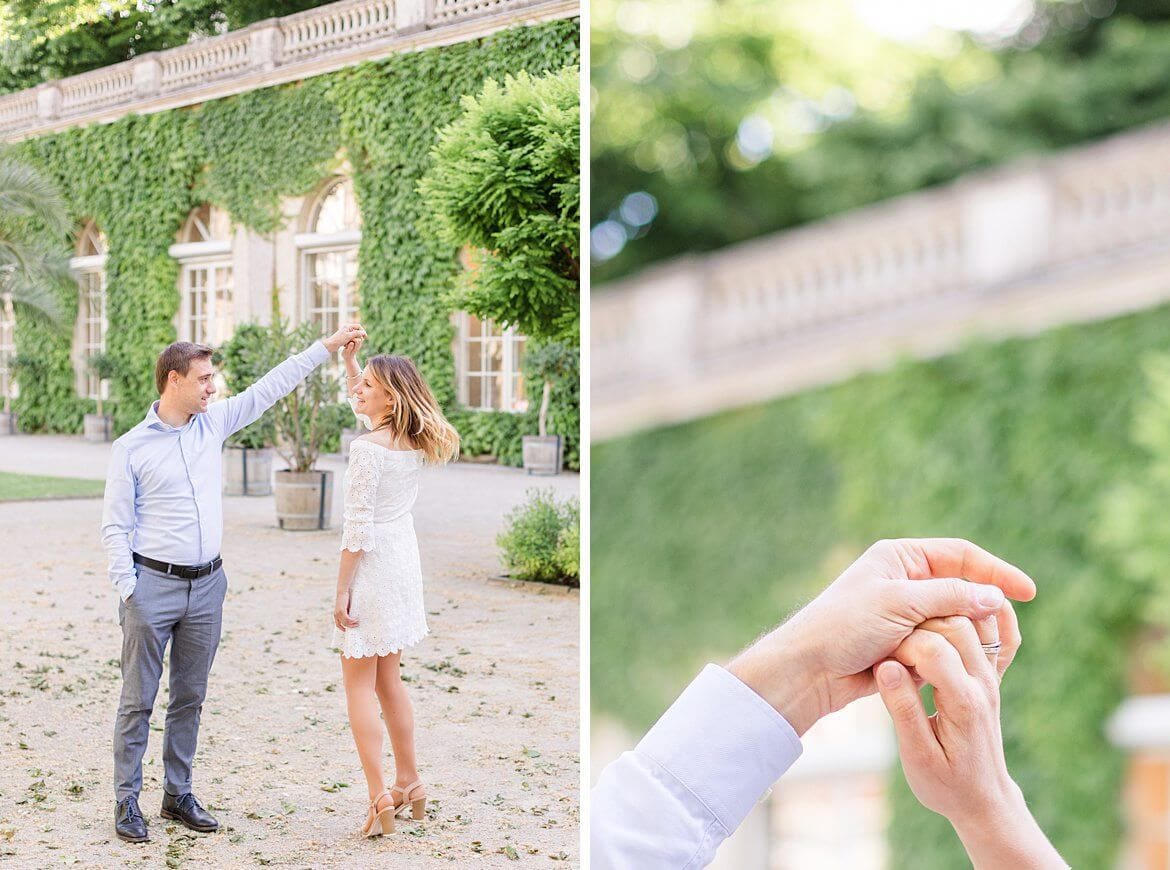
(266, 53)
(1079, 235)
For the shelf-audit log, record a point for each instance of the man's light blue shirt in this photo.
(164, 486)
(670, 802)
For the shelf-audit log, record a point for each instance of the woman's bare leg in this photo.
(399, 716)
(359, 676)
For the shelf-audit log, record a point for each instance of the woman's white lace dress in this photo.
(386, 597)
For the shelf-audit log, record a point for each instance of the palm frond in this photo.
(26, 192)
(37, 302)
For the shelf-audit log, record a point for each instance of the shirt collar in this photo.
(154, 421)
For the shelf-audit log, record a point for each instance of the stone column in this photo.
(265, 44)
(412, 15)
(1007, 227)
(48, 102)
(147, 76)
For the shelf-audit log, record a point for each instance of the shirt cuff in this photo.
(724, 743)
(318, 353)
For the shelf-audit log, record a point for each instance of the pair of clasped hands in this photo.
(908, 612)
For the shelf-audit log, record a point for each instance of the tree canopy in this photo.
(41, 40)
(720, 122)
(505, 182)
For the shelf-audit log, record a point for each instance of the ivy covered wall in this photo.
(1019, 445)
(139, 177)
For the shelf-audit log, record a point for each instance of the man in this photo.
(162, 524)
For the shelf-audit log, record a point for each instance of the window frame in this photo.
(209, 255)
(83, 267)
(512, 400)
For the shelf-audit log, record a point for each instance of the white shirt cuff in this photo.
(724, 743)
(319, 352)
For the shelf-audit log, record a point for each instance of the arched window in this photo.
(489, 360)
(204, 252)
(329, 257)
(89, 267)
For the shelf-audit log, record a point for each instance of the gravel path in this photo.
(495, 689)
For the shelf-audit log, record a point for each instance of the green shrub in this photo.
(490, 433)
(568, 552)
(505, 179)
(537, 541)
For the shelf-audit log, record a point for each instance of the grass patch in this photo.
(31, 487)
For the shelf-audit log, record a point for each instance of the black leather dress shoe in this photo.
(128, 822)
(186, 810)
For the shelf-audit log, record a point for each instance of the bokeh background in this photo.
(867, 269)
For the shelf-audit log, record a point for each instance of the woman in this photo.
(379, 607)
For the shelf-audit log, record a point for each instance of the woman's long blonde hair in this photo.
(415, 412)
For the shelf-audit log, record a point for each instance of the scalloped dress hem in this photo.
(382, 650)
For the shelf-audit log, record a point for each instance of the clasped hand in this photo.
(349, 332)
(905, 613)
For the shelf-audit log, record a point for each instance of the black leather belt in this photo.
(187, 572)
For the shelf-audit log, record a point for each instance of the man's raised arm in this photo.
(246, 408)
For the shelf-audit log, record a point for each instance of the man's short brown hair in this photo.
(177, 358)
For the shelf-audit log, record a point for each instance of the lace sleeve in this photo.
(361, 494)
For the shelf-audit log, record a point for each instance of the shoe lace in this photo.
(132, 812)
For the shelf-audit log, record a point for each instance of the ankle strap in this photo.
(407, 789)
(385, 793)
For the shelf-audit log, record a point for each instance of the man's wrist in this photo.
(781, 669)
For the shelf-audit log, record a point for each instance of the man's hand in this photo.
(347, 333)
(821, 659)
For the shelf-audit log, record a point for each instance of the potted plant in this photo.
(544, 453)
(100, 426)
(304, 493)
(248, 454)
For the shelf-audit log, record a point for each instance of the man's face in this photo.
(193, 391)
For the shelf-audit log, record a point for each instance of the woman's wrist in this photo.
(1004, 835)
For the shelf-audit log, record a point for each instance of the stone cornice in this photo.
(1065, 238)
(266, 53)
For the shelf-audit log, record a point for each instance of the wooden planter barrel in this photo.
(247, 470)
(99, 427)
(304, 499)
(543, 454)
